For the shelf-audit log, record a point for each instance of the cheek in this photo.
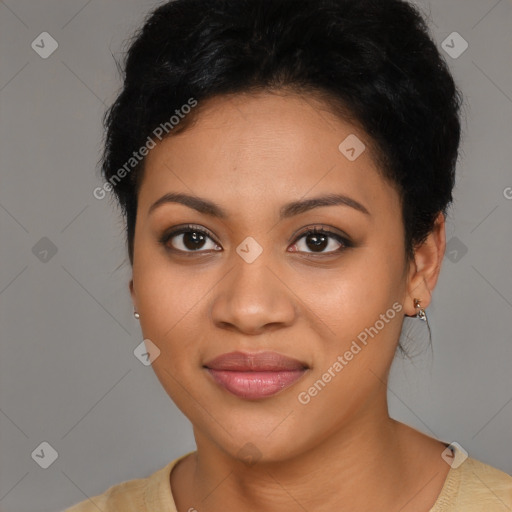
(166, 293)
(360, 307)
(352, 297)
(168, 301)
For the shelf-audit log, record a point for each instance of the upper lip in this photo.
(254, 362)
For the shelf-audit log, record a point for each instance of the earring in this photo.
(421, 311)
(136, 315)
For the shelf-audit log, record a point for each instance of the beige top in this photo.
(471, 487)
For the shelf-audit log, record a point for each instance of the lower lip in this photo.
(254, 385)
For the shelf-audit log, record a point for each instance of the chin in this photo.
(253, 445)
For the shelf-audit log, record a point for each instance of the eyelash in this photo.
(346, 243)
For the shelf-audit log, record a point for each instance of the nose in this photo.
(253, 299)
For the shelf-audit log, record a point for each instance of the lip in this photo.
(255, 375)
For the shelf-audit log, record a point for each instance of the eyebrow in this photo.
(288, 210)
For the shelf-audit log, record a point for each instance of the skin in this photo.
(251, 155)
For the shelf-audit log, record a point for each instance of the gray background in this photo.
(68, 374)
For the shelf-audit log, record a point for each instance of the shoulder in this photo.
(487, 483)
(475, 486)
(127, 496)
(133, 495)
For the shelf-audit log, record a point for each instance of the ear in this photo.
(424, 270)
(132, 293)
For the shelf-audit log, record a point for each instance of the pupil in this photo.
(194, 238)
(318, 240)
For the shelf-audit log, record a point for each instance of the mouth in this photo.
(255, 376)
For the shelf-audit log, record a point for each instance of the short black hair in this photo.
(372, 61)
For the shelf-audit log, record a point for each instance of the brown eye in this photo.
(318, 240)
(189, 239)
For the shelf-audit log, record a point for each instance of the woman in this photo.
(285, 168)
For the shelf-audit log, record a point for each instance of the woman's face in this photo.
(334, 306)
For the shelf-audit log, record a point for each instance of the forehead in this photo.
(249, 151)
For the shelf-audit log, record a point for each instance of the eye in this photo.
(189, 239)
(319, 239)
